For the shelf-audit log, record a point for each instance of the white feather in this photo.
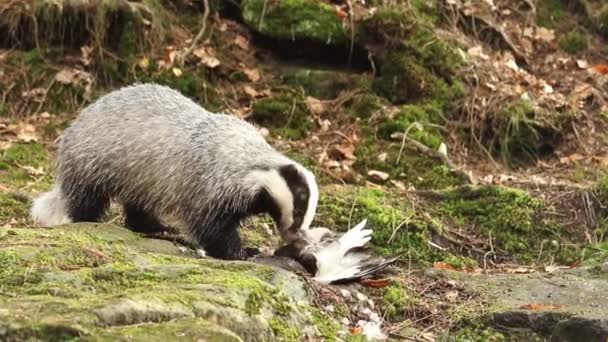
(332, 261)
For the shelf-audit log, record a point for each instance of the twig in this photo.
(352, 32)
(182, 57)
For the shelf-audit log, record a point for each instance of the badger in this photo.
(157, 153)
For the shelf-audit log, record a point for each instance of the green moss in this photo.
(191, 83)
(477, 332)
(396, 227)
(573, 42)
(12, 208)
(523, 133)
(460, 262)
(326, 326)
(286, 115)
(508, 215)
(414, 168)
(283, 331)
(323, 84)
(295, 20)
(397, 301)
(24, 165)
(602, 21)
(415, 120)
(366, 105)
(550, 13)
(415, 63)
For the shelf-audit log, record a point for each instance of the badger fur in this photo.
(158, 153)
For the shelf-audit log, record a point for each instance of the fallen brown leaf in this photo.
(316, 106)
(375, 283)
(356, 330)
(241, 42)
(539, 306)
(440, 265)
(207, 57)
(601, 68)
(252, 74)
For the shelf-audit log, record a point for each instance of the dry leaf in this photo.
(545, 34)
(241, 42)
(252, 74)
(440, 265)
(477, 51)
(451, 296)
(33, 171)
(316, 106)
(356, 330)
(378, 176)
(539, 306)
(170, 54)
(66, 76)
(582, 64)
(571, 159)
(519, 270)
(207, 58)
(375, 283)
(347, 152)
(86, 53)
(601, 68)
(250, 91)
(36, 94)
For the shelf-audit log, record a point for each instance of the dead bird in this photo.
(333, 259)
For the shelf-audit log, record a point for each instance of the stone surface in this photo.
(563, 306)
(103, 282)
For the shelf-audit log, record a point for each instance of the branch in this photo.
(181, 58)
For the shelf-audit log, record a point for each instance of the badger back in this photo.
(151, 145)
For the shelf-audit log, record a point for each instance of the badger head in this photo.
(289, 193)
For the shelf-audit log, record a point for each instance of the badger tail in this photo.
(50, 208)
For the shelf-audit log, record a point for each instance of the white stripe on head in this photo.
(278, 189)
(313, 199)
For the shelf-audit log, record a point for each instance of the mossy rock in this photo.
(415, 62)
(403, 78)
(308, 20)
(286, 115)
(95, 280)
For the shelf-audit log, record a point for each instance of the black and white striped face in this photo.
(292, 198)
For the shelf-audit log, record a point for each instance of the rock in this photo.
(295, 20)
(103, 281)
(561, 306)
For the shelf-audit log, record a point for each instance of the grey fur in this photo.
(151, 148)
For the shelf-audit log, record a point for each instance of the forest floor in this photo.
(472, 136)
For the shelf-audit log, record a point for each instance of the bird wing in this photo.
(343, 257)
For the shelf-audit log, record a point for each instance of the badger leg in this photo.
(225, 244)
(86, 204)
(142, 221)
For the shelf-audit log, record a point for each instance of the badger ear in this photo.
(290, 173)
